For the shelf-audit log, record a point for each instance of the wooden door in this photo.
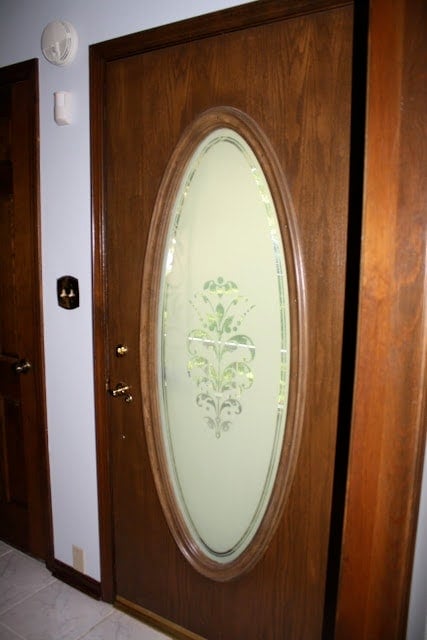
(23, 473)
(287, 71)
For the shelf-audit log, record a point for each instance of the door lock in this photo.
(121, 350)
(121, 391)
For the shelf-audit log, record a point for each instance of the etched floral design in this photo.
(219, 354)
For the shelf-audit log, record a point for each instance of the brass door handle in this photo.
(23, 366)
(121, 390)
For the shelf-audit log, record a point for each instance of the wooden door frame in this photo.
(405, 456)
(388, 427)
(39, 502)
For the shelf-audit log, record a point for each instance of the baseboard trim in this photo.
(75, 579)
(157, 622)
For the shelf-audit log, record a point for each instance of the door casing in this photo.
(409, 451)
(388, 428)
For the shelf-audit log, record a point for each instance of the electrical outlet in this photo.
(78, 559)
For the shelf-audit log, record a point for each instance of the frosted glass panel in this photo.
(224, 345)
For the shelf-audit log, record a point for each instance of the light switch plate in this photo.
(67, 288)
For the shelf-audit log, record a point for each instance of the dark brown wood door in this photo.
(291, 75)
(23, 482)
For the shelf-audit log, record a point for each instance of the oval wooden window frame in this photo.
(206, 123)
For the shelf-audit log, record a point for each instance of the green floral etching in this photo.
(219, 355)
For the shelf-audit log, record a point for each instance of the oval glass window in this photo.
(223, 350)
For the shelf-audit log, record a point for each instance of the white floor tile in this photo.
(119, 626)
(20, 576)
(57, 612)
(7, 634)
(4, 548)
(36, 606)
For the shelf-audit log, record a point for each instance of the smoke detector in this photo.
(59, 42)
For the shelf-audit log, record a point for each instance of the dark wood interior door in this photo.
(23, 481)
(291, 75)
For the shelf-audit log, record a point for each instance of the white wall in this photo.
(417, 621)
(66, 240)
(66, 249)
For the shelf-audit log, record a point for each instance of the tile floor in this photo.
(36, 606)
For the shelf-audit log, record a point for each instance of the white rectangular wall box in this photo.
(62, 107)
